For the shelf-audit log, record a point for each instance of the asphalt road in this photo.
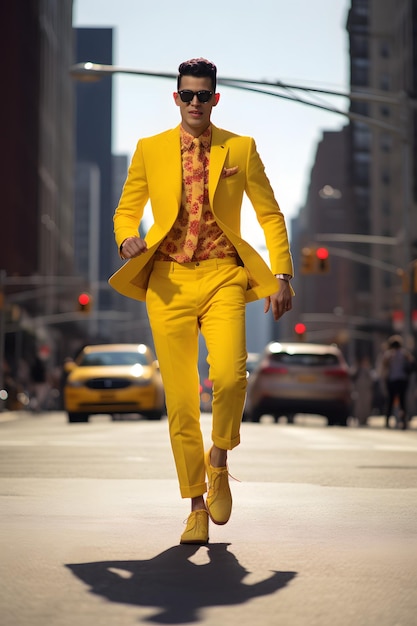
(323, 531)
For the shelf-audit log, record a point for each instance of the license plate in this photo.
(107, 396)
(306, 378)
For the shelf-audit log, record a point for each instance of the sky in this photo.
(301, 42)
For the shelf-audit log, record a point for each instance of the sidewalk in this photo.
(11, 416)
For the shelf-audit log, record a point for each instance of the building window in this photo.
(385, 177)
(361, 136)
(384, 49)
(359, 46)
(385, 141)
(360, 7)
(385, 207)
(384, 82)
(361, 168)
(360, 107)
(360, 72)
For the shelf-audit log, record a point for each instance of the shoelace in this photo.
(197, 517)
(220, 473)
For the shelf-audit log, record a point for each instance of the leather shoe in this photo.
(196, 531)
(219, 497)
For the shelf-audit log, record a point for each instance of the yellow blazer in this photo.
(155, 173)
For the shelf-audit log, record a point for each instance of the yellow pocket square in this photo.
(229, 171)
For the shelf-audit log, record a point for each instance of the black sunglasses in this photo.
(187, 95)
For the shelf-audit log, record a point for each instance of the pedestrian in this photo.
(196, 274)
(397, 365)
(40, 385)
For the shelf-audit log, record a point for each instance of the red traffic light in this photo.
(300, 328)
(322, 254)
(323, 260)
(85, 302)
(84, 299)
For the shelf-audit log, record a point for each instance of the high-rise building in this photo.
(370, 281)
(37, 131)
(94, 152)
(36, 238)
(383, 54)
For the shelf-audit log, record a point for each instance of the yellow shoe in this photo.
(219, 497)
(197, 528)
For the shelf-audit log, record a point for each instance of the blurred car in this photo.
(206, 385)
(206, 395)
(114, 379)
(251, 362)
(293, 378)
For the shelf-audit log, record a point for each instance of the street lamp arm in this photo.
(352, 238)
(87, 70)
(95, 71)
(376, 96)
(356, 117)
(235, 85)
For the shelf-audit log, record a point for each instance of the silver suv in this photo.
(295, 378)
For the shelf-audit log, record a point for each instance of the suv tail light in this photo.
(274, 369)
(336, 373)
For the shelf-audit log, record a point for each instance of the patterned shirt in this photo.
(212, 242)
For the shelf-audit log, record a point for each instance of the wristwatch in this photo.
(286, 277)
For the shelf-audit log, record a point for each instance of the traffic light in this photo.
(308, 261)
(322, 263)
(300, 330)
(84, 302)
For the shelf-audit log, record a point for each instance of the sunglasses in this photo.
(187, 95)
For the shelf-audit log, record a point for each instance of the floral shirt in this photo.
(195, 235)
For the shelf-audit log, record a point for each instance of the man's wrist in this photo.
(286, 277)
(124, 241)
(121, 247)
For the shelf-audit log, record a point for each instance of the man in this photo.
(196, 274)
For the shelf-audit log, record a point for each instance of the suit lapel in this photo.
(218, 154)
(171, 164)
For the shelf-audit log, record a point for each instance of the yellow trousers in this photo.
(183, 300)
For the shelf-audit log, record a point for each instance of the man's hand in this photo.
(280, 301)
(132, 246)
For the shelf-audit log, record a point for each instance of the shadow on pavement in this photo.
(176, 586)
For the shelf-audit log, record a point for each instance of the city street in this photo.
(323, 530)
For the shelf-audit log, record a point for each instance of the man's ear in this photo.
(216, 98)
(176, 98)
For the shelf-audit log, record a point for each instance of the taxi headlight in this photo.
(138, 378)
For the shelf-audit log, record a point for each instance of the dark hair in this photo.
(200, 68)
(395, 341)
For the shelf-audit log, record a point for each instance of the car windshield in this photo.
(112, 358)
(309, 360)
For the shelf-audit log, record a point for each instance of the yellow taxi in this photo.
(114, 379)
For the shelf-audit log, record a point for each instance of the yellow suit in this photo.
(156, 173)
(209, 296)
